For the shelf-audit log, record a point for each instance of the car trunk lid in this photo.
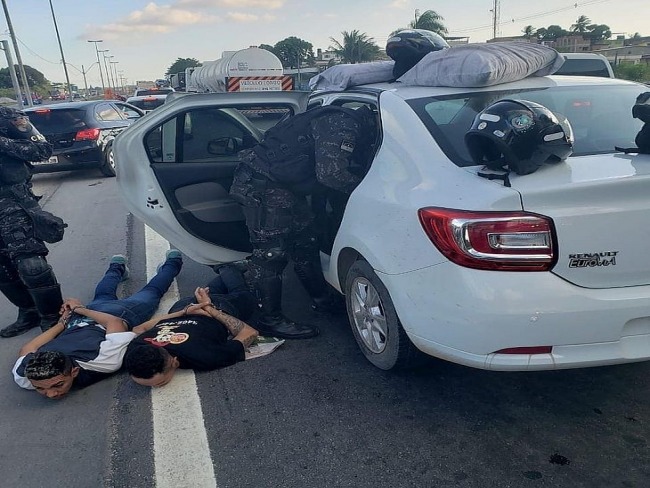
(600, 206)
(59, 126)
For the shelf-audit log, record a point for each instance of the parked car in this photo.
(82, 133)
(548, 272)
(147, 103)
(143, 92)
(586, 64)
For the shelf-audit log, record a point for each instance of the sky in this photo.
(145, 37)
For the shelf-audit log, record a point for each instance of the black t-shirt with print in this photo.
(199, 342)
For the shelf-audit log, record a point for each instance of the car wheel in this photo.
(108, 167)
(374, 321)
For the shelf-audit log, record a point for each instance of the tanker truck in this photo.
(251, 69)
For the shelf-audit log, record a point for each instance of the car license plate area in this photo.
(52, 160)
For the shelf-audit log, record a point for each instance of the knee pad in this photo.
(273, 259)
(35, 272)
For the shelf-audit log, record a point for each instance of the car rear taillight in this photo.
(87, 135)
(499, 241)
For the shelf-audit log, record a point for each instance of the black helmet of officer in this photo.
(14, 124)
(408, 46)
(520, 135)
(641, 109)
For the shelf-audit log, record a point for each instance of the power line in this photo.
(532, 16)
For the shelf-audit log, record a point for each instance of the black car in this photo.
(82, 133)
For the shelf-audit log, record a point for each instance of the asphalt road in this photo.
(315, 413)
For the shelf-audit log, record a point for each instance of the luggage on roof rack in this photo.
(470, 65)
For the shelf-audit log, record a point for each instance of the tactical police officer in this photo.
(324, 148)
(26, 279)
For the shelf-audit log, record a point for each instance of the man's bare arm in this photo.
(41, 339)
(239, 329)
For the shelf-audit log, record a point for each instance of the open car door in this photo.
(175, 167)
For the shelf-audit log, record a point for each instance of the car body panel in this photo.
(61, 122)
(589, 315)
(184, 200)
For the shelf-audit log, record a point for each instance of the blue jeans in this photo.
(229, 292)
(139, 307)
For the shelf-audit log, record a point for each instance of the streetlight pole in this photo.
(101, 75)
(110, 71)
(58, 38)
(12, 72)
(21, 68)
(115, 82)
(108, 80)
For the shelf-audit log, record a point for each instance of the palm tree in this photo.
(429, 20)
(356, 47)
(529, 31)
(581, 24)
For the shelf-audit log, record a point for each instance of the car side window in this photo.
(128, 112)
(203, 135)
(106, 112)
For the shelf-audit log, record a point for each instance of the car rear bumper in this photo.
(465, 316)
(72, 160)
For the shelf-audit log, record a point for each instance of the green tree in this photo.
(181, 64)
(550, 33)
(356, 47)
(429, 20)
(598, 32)
(529, 31)
(635, 72)
(293, 51)
(582, 24)
(34, 77)
(268, 48)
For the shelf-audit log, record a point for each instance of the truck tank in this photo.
(253, 61)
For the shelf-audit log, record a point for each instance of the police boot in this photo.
(323, 298)
(48, 302)
(272, 322)
(28, 316)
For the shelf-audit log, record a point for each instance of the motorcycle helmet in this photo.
(14, 124)
(409, 46)
(641, 109)
(518, 135)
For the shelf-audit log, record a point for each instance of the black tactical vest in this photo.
(286, 154)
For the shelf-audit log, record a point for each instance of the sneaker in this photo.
(120, 261)
(171, 254)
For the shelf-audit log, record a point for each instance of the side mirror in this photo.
(224, 146)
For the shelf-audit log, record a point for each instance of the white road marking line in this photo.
(180, 442)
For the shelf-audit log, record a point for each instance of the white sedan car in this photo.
(419, 250)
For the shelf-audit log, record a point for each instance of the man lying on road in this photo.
(89, 342)
(195, 335)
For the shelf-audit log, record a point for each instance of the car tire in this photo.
(374, 321)
(108, 166)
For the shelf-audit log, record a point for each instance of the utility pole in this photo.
(496, 14)
(101, 75)
(12, 72)
(21, 68)
(65, 67)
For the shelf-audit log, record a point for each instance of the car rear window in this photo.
(584, 67)
(147, 103)
(600, 116)
(57, 121)
(146, 93)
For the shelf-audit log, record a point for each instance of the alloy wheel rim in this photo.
(368, 315)
(111, 159)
